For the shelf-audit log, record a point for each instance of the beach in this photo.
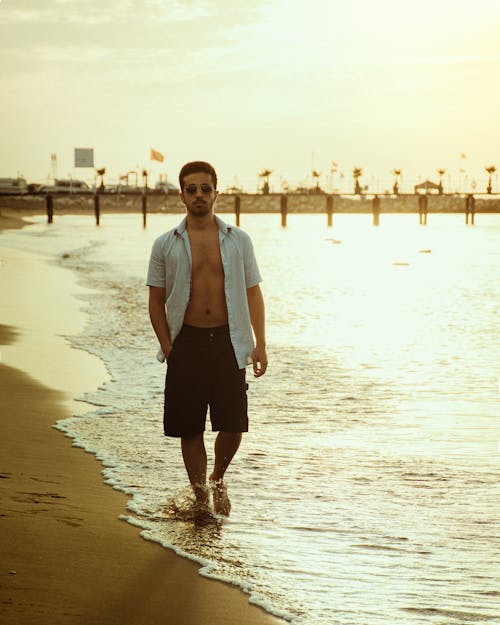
(66, 556)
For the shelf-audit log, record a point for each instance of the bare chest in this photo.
(205, 254)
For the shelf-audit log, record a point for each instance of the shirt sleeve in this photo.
(252, 273)
(156, 269)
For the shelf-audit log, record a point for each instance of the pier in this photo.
(422, 205)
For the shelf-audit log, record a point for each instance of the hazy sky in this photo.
(249, 85)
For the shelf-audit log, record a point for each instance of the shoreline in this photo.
(67, 557)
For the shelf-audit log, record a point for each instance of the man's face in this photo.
(198, 194)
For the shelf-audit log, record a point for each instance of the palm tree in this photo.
(316, 174)
(395, 187)
(265, 173)
(491, 169)
(357, 172)
(441, 173)
(101, 172)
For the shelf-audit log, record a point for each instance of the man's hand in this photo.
(259, 359)
(158, 316)
(166, 349)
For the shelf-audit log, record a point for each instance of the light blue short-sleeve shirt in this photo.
(170, 269)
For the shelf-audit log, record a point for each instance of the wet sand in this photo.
(66, 558)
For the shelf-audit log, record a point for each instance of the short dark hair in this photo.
(195, 167)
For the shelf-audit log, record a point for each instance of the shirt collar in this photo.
(223, 227)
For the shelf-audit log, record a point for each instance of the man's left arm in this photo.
(257, 317)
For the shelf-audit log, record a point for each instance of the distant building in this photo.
(166, 187)
(67, 186)
(13, 186)
(427, 187)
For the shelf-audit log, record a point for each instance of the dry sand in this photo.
(65, 557)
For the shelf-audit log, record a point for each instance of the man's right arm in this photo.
(158, 316)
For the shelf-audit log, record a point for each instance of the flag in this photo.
(156, 156)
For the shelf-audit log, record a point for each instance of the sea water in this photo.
(367, 490)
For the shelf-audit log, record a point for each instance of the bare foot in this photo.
(201, 507)
(202, 513)
(222, 505)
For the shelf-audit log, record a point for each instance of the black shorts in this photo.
(202, 371)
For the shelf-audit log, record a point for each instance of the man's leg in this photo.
(226, 445)
(195, 461)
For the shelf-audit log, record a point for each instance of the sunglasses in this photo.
(191, 189)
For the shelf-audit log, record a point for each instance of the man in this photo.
(204, 301)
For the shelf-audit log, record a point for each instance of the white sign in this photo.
(84, 157)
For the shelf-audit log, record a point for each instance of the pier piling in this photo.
(144, 209)
(283, 209)
(97, 210)
(329, 210)
(422, 209)
(237, 208)
(376, 210)
(50, 208)
(470, 207)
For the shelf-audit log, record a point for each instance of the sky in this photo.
(249, 85)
